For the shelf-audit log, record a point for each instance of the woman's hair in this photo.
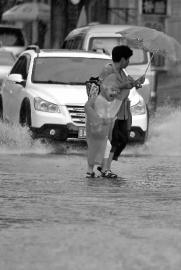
(121, 51)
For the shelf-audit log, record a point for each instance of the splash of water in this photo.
(15, 139)
(164, 138)
(164, 133)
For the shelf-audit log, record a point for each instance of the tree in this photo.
(64, 16)
(61, 19)
(58, 21)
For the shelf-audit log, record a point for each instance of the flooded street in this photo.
(52, 217)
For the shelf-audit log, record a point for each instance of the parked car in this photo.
(46, 91)
(7, 59)
(12, 38)
(97, 37)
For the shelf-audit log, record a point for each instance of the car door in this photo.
(13, 91)
(7, 92)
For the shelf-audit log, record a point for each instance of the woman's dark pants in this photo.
(120, 136)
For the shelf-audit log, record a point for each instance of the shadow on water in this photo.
(71, 147)
(102, 182)
(20, 222)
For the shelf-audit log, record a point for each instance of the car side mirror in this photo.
(17, 78)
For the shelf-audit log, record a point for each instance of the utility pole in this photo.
(61, 19)
(34, 29)
(138, 11)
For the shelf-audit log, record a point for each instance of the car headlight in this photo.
(45, 106)
(139, 108)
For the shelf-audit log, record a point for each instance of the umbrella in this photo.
(153, 41)
(27, 12)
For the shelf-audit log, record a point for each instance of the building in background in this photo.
(122, 12)
(163, 15)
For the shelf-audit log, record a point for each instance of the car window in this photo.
(77, 43)
(107, 43)
(74, 43)
(68, 44)
(21, 67)
(66, 70)
(11, 37)
(64, 46)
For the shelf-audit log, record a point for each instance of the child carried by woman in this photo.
(100, 121)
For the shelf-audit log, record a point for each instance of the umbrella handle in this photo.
(149, 64)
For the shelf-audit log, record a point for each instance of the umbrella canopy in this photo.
(27, 12)
(154, 41)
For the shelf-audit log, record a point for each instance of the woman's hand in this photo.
(140, 80)
(138, 83)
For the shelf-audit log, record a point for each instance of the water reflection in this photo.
(106, 183)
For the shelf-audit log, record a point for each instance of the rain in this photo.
(52, 217)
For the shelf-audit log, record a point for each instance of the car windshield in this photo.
(67, 70)
(107, 43)
(11, 37)
(6, 58)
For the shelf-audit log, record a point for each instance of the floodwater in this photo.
(52, 217)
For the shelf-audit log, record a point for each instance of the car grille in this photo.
(77, 114)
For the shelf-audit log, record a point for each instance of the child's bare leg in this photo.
(90, 168)
(105, 163)
(106, 168)
(109, 160)
(90, 171)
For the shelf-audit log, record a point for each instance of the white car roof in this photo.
(67, 53)
(99, 28)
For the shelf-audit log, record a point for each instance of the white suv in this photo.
(46, 91)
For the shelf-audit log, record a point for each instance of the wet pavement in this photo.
(52, 217)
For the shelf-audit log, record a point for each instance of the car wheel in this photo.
(1, 109)
(25, 114)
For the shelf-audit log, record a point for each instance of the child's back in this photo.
(106, 109)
